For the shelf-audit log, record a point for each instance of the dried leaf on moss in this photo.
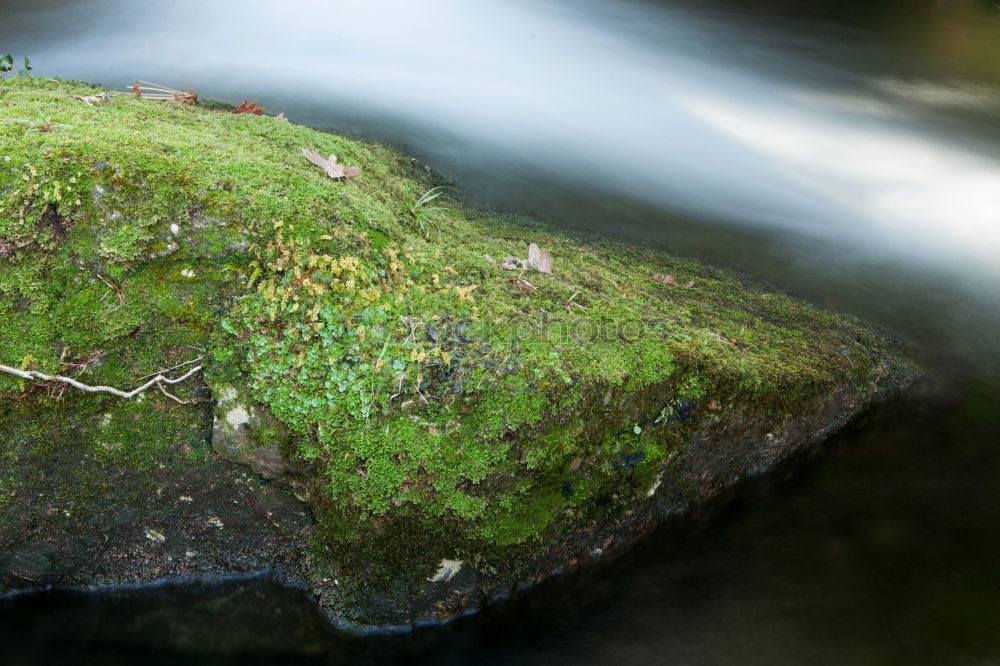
(333, 170)
(252, 108)
(668, 280)
(522, 284)
(537, 261)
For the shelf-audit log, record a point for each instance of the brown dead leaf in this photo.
(668, 280)
(522, 284)
(253, 108)
(333, 170)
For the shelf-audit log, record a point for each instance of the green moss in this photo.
(426, 384)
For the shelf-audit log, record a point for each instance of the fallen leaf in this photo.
(536, 261)
(252, 108)
(333, 170)
(668, 280)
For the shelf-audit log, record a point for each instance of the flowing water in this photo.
(847, 151)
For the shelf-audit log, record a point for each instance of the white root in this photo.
(158, 380)
(155, 91)
(174, 367)
(174, 397)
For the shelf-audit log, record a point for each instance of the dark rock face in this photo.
(210, 517)
(75, 519)
(245, 433)
(747, 439)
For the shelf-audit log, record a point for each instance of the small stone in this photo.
(153, 535)
(237, 416)
(175, 228)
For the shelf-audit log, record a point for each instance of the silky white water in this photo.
(659, 105)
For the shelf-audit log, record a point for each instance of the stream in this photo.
(847, 152)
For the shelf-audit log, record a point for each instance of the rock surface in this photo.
(384, 414)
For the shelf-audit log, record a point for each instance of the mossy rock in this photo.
(457, 429)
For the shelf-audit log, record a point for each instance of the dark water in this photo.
(847, 151)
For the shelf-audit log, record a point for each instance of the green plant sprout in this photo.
(420, 212)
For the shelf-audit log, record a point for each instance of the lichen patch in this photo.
(447, 570)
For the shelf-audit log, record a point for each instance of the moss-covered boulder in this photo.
(455, 428)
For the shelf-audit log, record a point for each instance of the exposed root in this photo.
(174, 367)
(192, 401)
(158, 380)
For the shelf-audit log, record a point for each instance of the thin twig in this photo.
(175, 398)
(117, 290)
(179, 365)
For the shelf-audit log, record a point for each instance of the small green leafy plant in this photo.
(7, 65)
(420, 212)
(42, 123)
